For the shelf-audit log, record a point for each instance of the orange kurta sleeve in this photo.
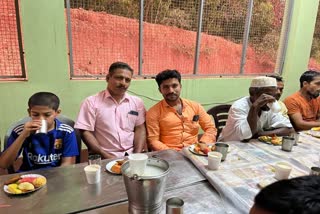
(207, 125)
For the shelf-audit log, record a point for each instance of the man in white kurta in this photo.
(250, 116)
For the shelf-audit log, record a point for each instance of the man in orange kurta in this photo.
(174, 122)
(304, 105)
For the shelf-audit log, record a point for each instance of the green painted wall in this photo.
(45, 45)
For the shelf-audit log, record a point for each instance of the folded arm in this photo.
(300, 124)
(93, 145)
(140, 136)
(278, 131)
(207, 125)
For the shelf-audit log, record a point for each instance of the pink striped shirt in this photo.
(112, 123)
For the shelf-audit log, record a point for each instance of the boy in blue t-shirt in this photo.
(58, 147)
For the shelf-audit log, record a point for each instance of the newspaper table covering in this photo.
(247, 165)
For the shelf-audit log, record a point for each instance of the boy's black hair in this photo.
(121, 65)
(299, 195)
(167, 74)
(44, 99)
(308, 76)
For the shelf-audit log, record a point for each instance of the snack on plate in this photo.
(13, 188)
(315, 129)
(12, 180)
(274, 140)
(265, 138)
(26, 179)
(40, 181)
(25, 186)
(25, 183)
(116, 168)
(201, 148)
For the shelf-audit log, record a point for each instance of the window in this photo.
(198, 38)
(11, 49)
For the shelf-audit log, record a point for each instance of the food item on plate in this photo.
(315, 129)
(40, 181)
(25, 183)
(274, 140)
(201, 148)
(26, 186)
(27, 179)
(13, 188)
(116, 168)
(12, 180)
(265, 138)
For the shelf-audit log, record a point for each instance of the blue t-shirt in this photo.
(46, 150)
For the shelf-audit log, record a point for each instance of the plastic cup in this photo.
(283, 170)
(137, 163)
(223, 149)
(296, 137)
(174, 206)
(214, 160)
(93, 173)
(274, 107)
(44, 127)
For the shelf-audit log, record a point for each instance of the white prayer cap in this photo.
(260, 82)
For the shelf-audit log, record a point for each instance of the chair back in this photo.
(68, 121)
(62, 118)
(220, 116)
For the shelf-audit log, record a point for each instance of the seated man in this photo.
(57, 147)
(112, 122)
(295, 196)
(304, 105)
(174, 122)
(280, 87)
(250, 117)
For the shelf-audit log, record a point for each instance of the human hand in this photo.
(262, 101)
(31, 127)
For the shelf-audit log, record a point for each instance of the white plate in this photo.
(314, 133)
(110, 164)
(5, 187)
(191, 149)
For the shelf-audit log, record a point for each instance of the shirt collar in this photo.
(108, 95)
(57, 122)
(184, 104)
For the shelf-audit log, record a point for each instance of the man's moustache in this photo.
(170, 94)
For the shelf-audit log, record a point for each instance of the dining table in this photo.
(230, 189)
(250, 166)
(67, 190)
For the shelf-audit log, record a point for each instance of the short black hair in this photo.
(277, 77)
(44, 99)
(167, 74)
(308, 76)
(297, 195)
(121, 65)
